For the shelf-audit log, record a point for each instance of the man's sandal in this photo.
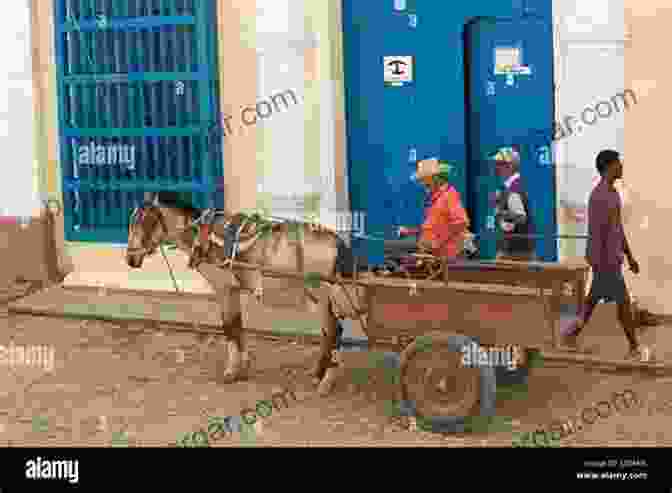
(643, 354)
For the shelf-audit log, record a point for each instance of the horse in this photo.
(317, 251)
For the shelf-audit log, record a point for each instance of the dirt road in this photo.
(114, 384)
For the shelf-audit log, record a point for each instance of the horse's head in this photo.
(146, 231)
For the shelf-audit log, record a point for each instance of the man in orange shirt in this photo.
(446, 223)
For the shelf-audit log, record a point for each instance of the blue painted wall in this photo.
(429, 115)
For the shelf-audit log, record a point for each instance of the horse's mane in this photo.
(173, 200)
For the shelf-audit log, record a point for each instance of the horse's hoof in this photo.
(325, 388)
(327, 384)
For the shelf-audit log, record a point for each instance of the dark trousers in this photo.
(609, 286)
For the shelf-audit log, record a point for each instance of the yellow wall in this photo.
(238, 75)
(46, 116)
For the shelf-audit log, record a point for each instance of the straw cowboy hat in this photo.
(429, 168)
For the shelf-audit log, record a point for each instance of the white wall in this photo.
(590, 68)
(18, 183)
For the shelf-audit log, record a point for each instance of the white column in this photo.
(328, 204)
(18, 184)
(281, 68)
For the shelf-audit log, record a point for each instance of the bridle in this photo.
(139, 214)
(137, 218)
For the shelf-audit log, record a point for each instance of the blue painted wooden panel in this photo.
(430, 115)
(136, 80)
(512, 111)
(381, 130)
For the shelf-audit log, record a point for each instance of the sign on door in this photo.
(398, 70)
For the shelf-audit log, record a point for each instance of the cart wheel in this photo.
(438, 389)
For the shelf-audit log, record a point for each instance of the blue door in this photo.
(381, 117)
(138, 97)
(510, 99)
(382, 121)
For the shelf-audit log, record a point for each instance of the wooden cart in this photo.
(489, 303)
(429, 322)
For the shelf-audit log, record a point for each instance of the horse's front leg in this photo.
(228, 298)
(238, 361)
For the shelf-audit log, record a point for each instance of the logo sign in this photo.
(398, 70)
(506, 58)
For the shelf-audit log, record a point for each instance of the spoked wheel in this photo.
(439, 389)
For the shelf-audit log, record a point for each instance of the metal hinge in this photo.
(412, 155)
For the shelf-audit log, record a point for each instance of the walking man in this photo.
(607, 247)
(512, 211)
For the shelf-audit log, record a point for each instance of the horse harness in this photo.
(232, 234)
(230, 239)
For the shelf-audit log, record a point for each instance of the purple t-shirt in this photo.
(606, 242)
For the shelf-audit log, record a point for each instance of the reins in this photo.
(135, 220)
